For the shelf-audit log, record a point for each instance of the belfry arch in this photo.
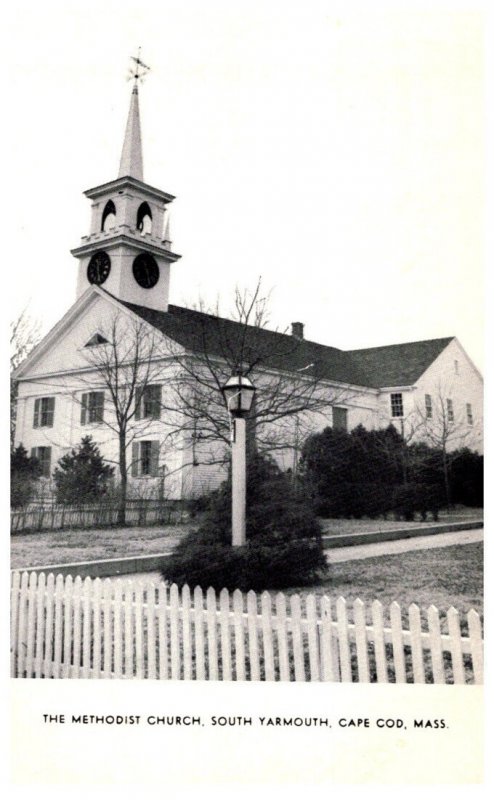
(109, 216)
(144, 219)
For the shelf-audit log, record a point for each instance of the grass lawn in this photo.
(69, 546)
(339, 526)
(442, 576)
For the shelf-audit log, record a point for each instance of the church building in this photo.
(125, 264)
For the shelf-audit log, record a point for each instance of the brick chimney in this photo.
(298, 330)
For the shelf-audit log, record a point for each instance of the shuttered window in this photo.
(145, 459)
(428, 406)
(469, 414)
(44, 412)
(43, 456)
(92, 407)
(149, 405)
(451, 413)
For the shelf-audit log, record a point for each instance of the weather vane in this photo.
(138, 70)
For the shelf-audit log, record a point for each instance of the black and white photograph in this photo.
(246, 295)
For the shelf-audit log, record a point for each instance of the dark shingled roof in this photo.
(398, 364)
(196, 331)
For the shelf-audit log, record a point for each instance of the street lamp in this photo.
(238, 392)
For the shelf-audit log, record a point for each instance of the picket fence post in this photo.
(69, 628)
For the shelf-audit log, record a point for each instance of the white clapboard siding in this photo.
(69, 628)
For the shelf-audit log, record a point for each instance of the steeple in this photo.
(128, 249)
(131, 159)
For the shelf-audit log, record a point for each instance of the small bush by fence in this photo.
(47, 516)
(65, 628)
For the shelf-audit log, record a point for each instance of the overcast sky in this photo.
(335, 152)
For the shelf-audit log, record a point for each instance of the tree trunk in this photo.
(122, 459)
(446, 478)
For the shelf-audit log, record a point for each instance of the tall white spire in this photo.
(131, 159)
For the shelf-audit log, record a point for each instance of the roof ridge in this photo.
(374, 367)
(254, 327)
(401, 344)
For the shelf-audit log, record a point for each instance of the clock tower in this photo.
(128, 249)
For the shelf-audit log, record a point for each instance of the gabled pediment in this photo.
(67, 346)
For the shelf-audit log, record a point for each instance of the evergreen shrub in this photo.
(284, 543)
(82, 476)
(24, 471)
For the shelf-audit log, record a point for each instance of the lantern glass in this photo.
(238, 392)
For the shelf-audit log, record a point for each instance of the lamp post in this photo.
(238, 392)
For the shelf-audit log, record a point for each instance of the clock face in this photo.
(99, 268)
(146, 270)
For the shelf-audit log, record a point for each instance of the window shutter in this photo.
(50, 412)
(37, 404)
(155, 455)
(157, 402)
(138, 404)
(84, 409)
(100, 405)
(135, 467)
(33, 452)
(47, 462)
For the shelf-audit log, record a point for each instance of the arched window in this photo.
(144, 219)
(109, 217)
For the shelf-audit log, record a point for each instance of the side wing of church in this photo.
(124, 266)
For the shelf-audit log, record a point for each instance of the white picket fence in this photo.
(65, 628)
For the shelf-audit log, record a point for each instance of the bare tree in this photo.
(409, 428)
(124, 363)
(443, 427)
(130, 358)
(288, 373)
(24, 336)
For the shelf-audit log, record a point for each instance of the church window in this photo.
(92, 406)
(397, 404)
(340, 419)
(428, 406)
(43, 457)
(96, 340)
(145, 459)
(469, 414)
(44, 412)
(149, 404)
(450, 411)
(144, 219)
(109, 217)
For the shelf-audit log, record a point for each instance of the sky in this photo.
(335, 150)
